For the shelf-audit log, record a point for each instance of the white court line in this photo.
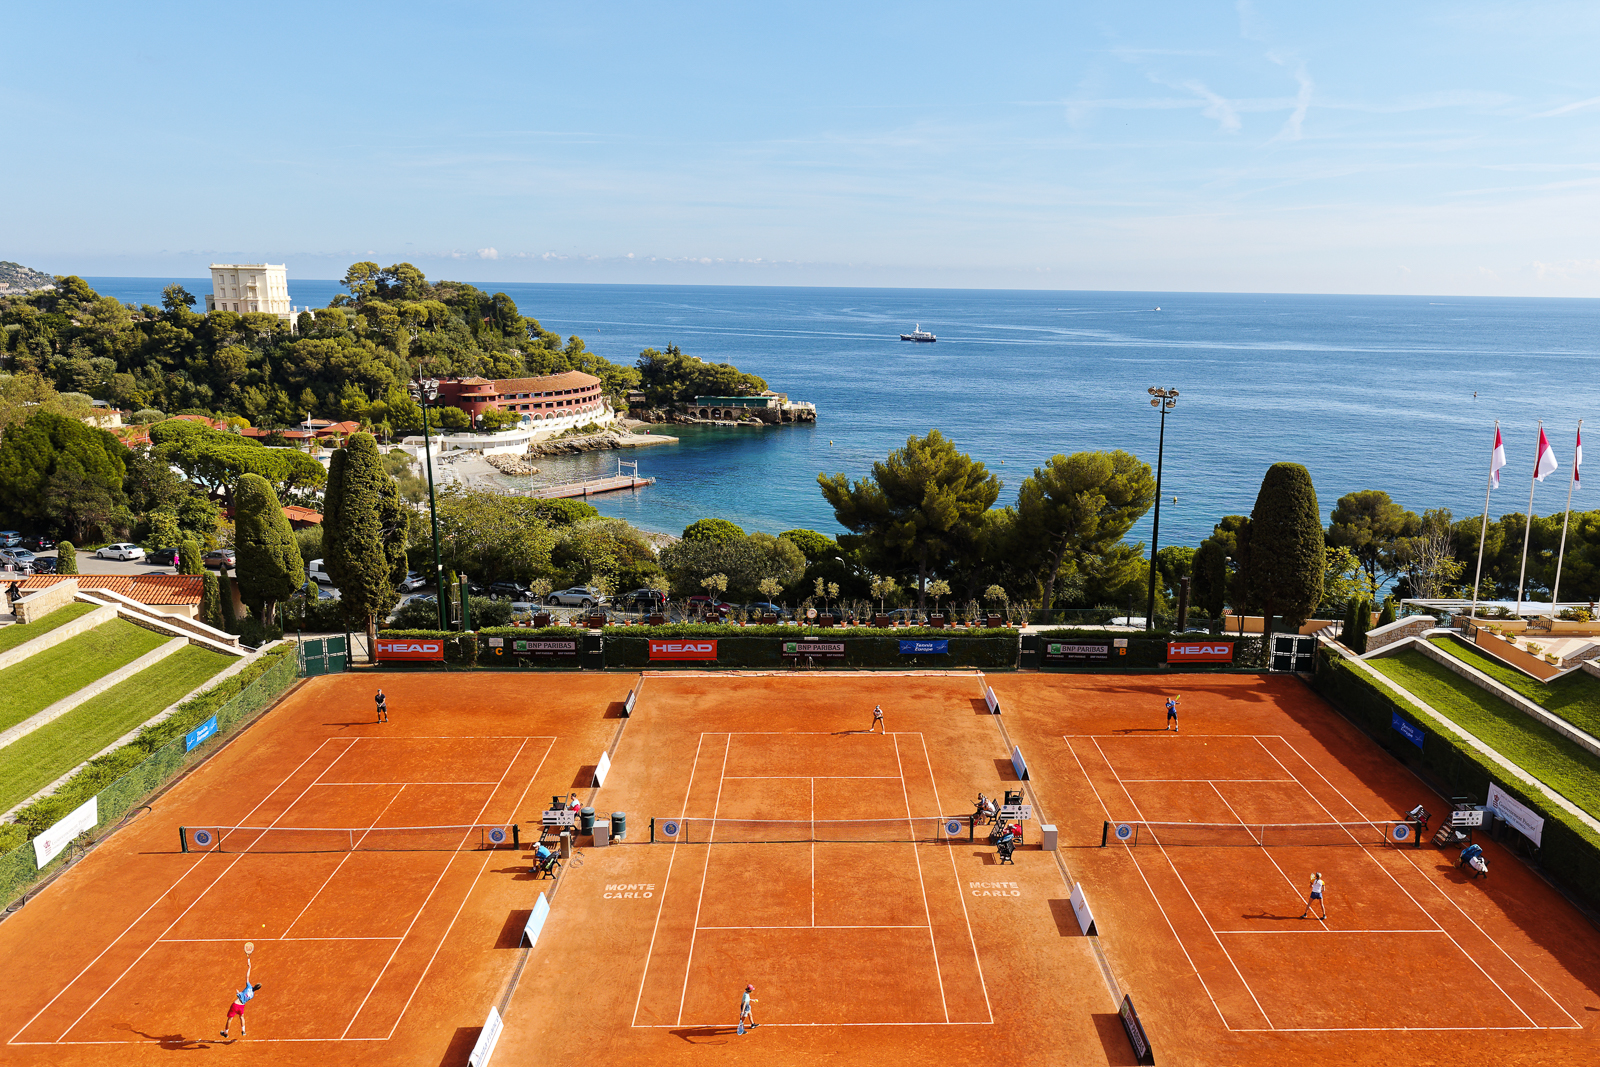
(814, 927)
(407, 783)
(196, 866)
(1190, 894)
(263, 940)
(723, 1024)
(1208, 781)
(1295, 889)
(207, 889)
(933, 941)
(801, 777)
(424, 906)
(1493, 941)
(213, 1040)
(468, 894)
(955, 873)
(341, 863)
(813, 852)
(1299, 930)
(706, 870)
(667, 881)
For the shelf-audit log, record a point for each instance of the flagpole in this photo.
(1572, 483)
(1477, 577)
(1527, 527)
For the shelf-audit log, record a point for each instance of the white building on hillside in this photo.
(246, 287)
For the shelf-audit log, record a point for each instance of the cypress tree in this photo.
(1285, 545)
(225, 592)
(66, 558)
(1348, 634)
(191, 560)
(364, 534)
(1388, 612)
(269, 564)
(1363, 624)
(211, 602)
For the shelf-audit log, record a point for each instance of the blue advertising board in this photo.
(200, 734)
(924, 648)
(1407, 730)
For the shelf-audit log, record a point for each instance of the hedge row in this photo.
(1570, 852)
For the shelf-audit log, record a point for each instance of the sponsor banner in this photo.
(814, 649)
(1061, 652)
(990, 699)
(1199, 652)
(627, 705)
(1135, 1029)
(1410, 731)
(924, 648)
(544, 648)
(410, 648)
(200, 734)
(53, 840)
(601, 769)
(684, 648)
(1520, 817)
(1019, 764)
(1080, 908)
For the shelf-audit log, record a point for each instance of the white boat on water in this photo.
(918, 334)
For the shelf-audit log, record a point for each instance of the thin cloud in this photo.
(1567, 109)
(1217, 107)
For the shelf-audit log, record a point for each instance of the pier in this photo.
(619, 481)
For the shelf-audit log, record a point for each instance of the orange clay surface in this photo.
(364, 957)
(1416, 962)
(871, 949)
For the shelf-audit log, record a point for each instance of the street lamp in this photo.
(1163, 400)
(423, 390)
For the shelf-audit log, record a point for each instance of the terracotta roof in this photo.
(567, 379)
(215, 424)
(338, 428)
(153, 589)
(295, 513)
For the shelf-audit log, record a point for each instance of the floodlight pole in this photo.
(1163, 400)
(425, 389)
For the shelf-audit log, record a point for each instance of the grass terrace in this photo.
(1576, 698)
(17, 634)
(33, 762)
(29, 687)
(1563, 766)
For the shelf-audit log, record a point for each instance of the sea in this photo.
(1368, 392)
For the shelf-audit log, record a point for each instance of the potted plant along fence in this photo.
(882, 589)
(938, 589)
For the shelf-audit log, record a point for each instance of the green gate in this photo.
(322, 655)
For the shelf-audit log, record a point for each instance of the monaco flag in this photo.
(1497, 458)
(1547, 464)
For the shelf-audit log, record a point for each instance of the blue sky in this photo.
(1352, 147)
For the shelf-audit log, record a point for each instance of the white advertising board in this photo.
(990, 699)
(1019, 764)
(1080, 908)
(48, 844)
(488, 1038)
(1524, 821)
(535, 923)
(602, 769)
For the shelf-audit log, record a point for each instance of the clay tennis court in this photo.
(1415, 962)
(387, 948)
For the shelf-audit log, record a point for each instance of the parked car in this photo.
(10, 563)
(578, 596)
(643, 600)
(220, 557)
(22, 557)
(699, 605)
(162, 557)
(908, 615)
(10, 537)
(45, 565)
(320, 593)
(762, 607)
(509, 591)
(121, 550)
(38, 543)
(317, 572)
(413, 580)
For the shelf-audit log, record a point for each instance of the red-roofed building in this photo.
(168, 594)
(549, 396)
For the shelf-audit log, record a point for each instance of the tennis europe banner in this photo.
(410, 648)
(685, 648)
(924, 648)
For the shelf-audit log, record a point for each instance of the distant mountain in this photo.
(15, 278)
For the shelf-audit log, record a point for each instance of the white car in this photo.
(318, 573)
(578, 596)
(413, 580)
(121, 550)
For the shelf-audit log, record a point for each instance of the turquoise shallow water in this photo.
(1367, 392)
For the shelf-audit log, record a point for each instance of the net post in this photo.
(972, 827)
(1105, 833)
(516, 838)
(183, 838)
(1416, 833)
(652, 829)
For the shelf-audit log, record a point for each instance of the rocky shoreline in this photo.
(598, 442)
(511, 465)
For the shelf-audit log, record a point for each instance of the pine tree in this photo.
(1285, 545)
(269, 564)
(364, 533)
(211, 602)
(66, 558)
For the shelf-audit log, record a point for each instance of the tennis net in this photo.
(1261, 835)
(787, 831)
(464, 838)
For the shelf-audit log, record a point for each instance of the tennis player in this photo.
(877, 719)
(383, 706)
(745, 1012)
(1172, 714)
(240, 999)
(1317, 888)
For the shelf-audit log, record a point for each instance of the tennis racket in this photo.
(249, 947)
